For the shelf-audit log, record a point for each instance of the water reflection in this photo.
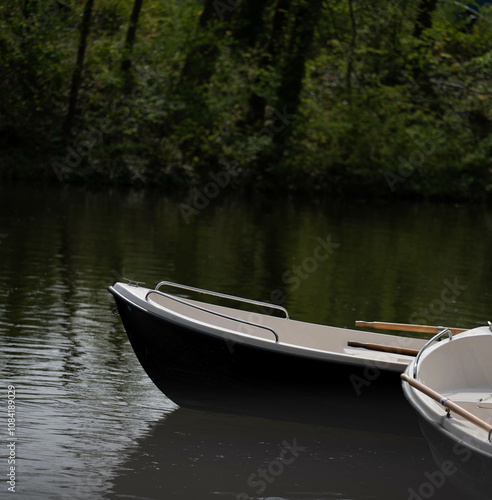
(192, 454)
(75, 413)
(92, 425)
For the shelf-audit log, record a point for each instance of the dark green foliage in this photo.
(339, 97)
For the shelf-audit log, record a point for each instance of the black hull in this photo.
(199, 370)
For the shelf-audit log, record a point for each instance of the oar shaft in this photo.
(447, 403)
(384, 348)
(405, 327)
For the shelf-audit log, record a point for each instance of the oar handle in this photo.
(403, 327)
(447, 403)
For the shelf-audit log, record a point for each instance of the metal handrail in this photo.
(224, 296)
(427, 344)
(204, 309)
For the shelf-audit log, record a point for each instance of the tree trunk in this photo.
(77, 74)
(257, 103)
(278, 27)
(26, 9)
(126, 62)
(249, 25)
(422, 77)
(199, 66)
(288, 95)
(424, 16)
(292, 76)
(350, 53)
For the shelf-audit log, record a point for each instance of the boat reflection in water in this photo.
(468, 470)
(194, 454)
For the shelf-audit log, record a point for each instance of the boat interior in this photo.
(460, 370)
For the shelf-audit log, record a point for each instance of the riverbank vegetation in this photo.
(385, 98)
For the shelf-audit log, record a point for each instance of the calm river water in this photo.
(89, 422)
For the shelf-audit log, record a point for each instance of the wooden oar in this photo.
(384, 348)
(448, 403)
(405, 327)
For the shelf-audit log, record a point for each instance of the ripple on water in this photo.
(74, 404)
(90, 424)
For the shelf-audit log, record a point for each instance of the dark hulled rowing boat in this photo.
(214, 357)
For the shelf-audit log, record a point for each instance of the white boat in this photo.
(449, 384)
